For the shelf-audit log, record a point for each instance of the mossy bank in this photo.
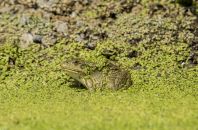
(155, 41)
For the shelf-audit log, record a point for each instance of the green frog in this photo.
(108, 77)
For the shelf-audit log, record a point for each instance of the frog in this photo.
(108, 77)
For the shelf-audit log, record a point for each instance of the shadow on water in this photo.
(77, 85)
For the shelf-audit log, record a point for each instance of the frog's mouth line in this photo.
(74, 71)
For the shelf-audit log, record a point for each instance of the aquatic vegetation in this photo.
(157, 47)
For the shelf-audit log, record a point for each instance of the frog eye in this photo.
(83, 66)
(75, 62)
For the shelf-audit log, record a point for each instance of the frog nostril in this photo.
(75, 62)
